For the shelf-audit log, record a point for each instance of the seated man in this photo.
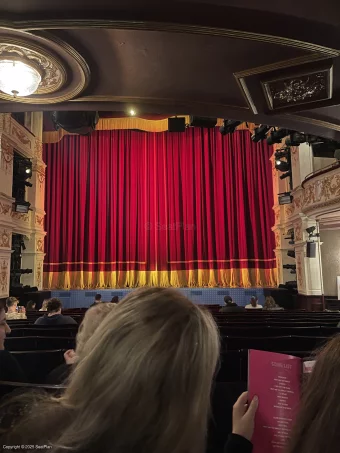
(230, 306)
(253, 304)
(13, 311)
(97, 300)
(54, 316)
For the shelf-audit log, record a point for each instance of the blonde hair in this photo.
(93, 317)
(142, 383)
(270, 302)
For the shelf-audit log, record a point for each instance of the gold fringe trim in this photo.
(231, 278)
(108, 124)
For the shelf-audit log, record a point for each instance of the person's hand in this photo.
(70, 357)
(244, 416)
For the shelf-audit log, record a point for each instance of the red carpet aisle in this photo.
(128, 208)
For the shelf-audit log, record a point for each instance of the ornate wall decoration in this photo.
(5, 208)
(317, 193)
(5, 237)
(324, 191)
(40, 245)
(22, 216)
(21, 135)
(299, 272)
(38, 149)
(298, 89)
(278, 239)
(5, 122)
(289, 209)
(4, 284)
(39, 220)
(6, 160)
(298, 232)
(277, 212)
(39, 273)
(294, 152)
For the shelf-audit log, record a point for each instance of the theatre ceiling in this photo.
(264, 61)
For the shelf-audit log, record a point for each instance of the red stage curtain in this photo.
(127, 208)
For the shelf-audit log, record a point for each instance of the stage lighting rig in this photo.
(229, 126)
(290, 236)
(277, 135)
(260, 133)
(292, 268)
(22, 171)
(311, 234)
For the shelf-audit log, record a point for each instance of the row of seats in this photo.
(43, 331)
(38, 343)
(274, 331)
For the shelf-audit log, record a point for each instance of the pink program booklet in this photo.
(276, 380)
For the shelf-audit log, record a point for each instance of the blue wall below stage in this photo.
(208, 296)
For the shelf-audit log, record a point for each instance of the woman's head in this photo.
(4, 328)
(143, 379)
(93, 317)
(269, 302)
(30, 305)
(316, 429)
(44, 305)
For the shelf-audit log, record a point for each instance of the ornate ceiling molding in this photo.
(31, 25)
(64, 72)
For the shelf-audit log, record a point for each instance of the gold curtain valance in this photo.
(107, 124)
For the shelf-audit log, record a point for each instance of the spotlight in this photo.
(291, 253)
(276, 136)
(289, 266)
(260, 133)
(282, 165)
(296, 138)
(310, 232)
(285, 198)
(288, 174)
(229, 126)
(132, 112)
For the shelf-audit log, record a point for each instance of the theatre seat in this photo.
(224, 396)
(39, 343)
(273, 344)
(44, 332)
(38, 364)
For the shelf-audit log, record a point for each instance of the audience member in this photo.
(54, 316)
(13, 311)
(9, 367)
(142, 383)
(44, 305)
(316, 428)
(97, 300)
(115, 300)
(92, 319)
(30, 305)
(270, 304)
(230, 306)
(253, 304)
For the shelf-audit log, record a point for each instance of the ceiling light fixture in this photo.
(18, 78)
